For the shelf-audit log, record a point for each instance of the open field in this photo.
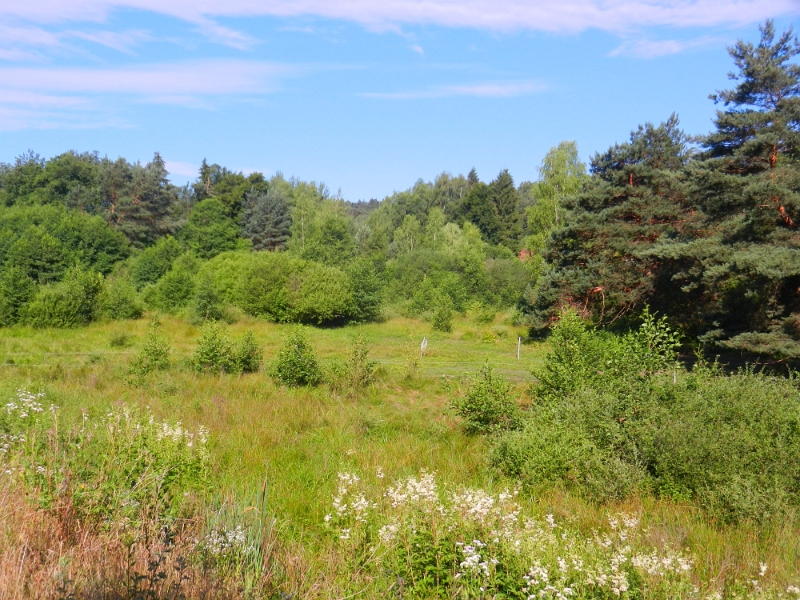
(300, 439)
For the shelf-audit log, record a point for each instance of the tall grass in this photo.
(300, 440)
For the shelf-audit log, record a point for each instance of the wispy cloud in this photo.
(480, 90)
(655, 48)
(418, 49)
(499, 15)
(123, 41)
(83, 97)
(206, 77)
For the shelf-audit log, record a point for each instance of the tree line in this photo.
(702, 229)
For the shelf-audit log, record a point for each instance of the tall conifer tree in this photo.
(266, 219)
(506, 201)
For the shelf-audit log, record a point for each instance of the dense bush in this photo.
(45, 240)
(175, 289)
(69, 303)
(442, 318)
(488, 406)
(612, 415)
(16, 290)
(262, 287)
(207, 303)
(119, 300)
(153, 262)
(319, 294)
(296, 364)
(215, 353)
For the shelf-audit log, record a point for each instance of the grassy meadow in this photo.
(297, 442)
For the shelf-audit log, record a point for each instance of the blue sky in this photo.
(366, 96)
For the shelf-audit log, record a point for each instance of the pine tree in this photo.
(146, 209)
(266, 219)
(479, 210)
(598, 262)
(505, 200)
(744, 273)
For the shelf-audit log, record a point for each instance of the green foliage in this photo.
(295, 364)
(142, 203)
(705, 237)
(613, 415)
(119, 300)
(16, 290)
(488, 406)
(505, 199)
(319, 294)
(210, 230)
(154, 261)
(442, 319)
(153, 355)
(470, 543)
(266, 219)
(216, 354)
(121, 468)
(581, 356)
(248, 354)
(358, 372)
(367, 285)
(70, 303)
(176, 288)
(207, 303)
(45, 240)
(262, 287)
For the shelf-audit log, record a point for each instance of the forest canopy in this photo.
(702, 229)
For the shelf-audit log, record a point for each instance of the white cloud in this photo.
(80, 97)
(501, 15)
(122, 41)
(656, 48)
(169, 80)
(481, 90)
(418, 49)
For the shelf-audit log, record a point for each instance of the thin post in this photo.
(519, 343)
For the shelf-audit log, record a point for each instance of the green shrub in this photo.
(207, 303)
(70, 303)
(367, 286)
(175, 289)
(319, 294)
(248, 354)
(357, 372)
(154, 262)
(487, 406)
(262, 288)
(583, 357)
(16, 290)
(153, 356)
(443, 314)
(614, 414)
(119, 301)
(296, 364)
(216, 354)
